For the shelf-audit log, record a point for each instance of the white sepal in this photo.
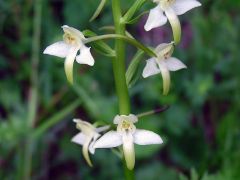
(155, 19)
(80, 138)
(151, 68)
(182, 6)
(174, 64)
(74, 32)
(59, 49)
(85, 56)
(109, 140)
(144, 137)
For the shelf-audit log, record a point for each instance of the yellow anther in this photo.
(69, 39)
(126, 124)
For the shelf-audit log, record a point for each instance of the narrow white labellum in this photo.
(68, 65)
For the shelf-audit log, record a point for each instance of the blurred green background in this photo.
(201, 129)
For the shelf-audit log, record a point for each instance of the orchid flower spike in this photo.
(87, 137)
(163, 64)
(73, 40)
(127, 135)
(171, 8)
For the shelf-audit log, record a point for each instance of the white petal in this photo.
(132, 118)
(175, 24)
(144, 137)
(128, 150)
(101, 129)
(182, 6)
(117, 119)
(85, 56)
(80, 138)
(174, 64)
(155, 19)
(68, 65)
(109, 140)
(151, 68)
(59, 49)
(165, 76)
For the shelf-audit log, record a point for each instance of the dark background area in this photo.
(201, 129)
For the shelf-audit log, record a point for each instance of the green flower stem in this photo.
(119, 62)
(155, 111)
(119, 70)
(122, 37)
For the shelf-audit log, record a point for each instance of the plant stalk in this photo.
(119, 70)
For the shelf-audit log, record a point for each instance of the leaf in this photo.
(135, 19)
(132, 68)
(98, 10)
(135, 7)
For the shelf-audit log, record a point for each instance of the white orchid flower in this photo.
(73, 40)
(171, 8)
(163, 64)
(87, 137)
(127, 135)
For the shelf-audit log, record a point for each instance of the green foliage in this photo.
(201, 129)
